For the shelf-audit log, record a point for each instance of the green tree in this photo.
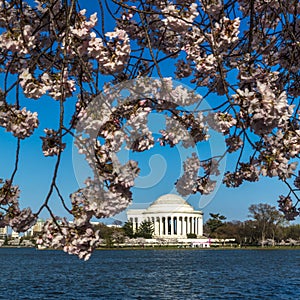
(212, 224)
(105, 233)
(292, 232)
(128, 229)
(191, 235)
(145, 230)
(230, 230)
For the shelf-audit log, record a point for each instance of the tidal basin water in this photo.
(151, 274)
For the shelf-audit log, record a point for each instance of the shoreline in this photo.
(204, 249)
(171, 248)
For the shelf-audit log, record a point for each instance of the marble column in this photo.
(166, 225)
(184, 226)
(200, 226)
(156, 225)
(175, 225)
(181, 226)
(178, 225)
(161, 226)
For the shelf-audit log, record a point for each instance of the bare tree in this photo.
(267, 219)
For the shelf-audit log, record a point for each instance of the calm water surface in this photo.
(151, 274)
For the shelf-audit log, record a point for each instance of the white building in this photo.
(15, 235)
(36, 229)
(171, 216)
(3, 232)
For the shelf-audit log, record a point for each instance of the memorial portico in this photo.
(172, 217)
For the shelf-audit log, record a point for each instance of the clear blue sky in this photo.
(160, 169)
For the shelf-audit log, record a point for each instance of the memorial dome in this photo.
(169, 203)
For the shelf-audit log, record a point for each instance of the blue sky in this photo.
(160, 167)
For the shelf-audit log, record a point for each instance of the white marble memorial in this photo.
(171, 216)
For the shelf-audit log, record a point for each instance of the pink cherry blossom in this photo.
(109, 71)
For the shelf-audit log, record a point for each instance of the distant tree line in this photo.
(265, 223)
